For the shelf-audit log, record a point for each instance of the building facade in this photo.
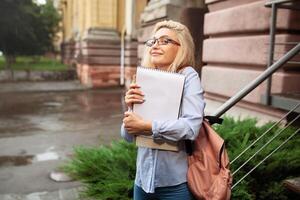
(95, 34)
(104, 40)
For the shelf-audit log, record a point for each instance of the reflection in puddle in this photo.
(6, 161)
(46, 156)
(53, 104)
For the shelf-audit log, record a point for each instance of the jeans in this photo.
(177, 192)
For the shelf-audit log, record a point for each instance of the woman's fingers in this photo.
(133, 98)
(134, 95)
(133, 86)
(134, 91)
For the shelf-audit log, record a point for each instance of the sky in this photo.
(41, 1)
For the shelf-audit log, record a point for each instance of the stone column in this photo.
(68, 44)
(98, 51)
(130, 47)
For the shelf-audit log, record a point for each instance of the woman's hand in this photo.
(134, 95)
(135, 124)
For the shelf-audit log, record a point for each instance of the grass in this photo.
(35, 64)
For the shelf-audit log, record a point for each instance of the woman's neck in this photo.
(164, 68)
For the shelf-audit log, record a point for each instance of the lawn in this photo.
(35, 64)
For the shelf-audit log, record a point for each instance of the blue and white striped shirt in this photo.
(159, 168)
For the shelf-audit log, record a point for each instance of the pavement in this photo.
(40, 124)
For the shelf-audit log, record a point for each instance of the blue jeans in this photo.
(177, 192)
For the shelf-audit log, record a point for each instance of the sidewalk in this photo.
(64, 194)
(35, 123)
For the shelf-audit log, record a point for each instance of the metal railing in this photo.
(275, 5)
(272, 67)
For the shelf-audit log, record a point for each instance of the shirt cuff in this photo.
(155, 130)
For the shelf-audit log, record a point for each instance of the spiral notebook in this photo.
(163, 93)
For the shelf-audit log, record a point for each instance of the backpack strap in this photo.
(214, 120)
(189, 143)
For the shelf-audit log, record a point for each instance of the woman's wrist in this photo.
(147, 127)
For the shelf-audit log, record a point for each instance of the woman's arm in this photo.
(192, 108)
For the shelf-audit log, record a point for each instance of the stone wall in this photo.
(236, 49)
(99, 58)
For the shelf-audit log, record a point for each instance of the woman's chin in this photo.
(157, 62)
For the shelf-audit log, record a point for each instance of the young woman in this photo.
(162, 174)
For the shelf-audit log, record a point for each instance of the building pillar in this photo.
(130, 42)
(98, 50)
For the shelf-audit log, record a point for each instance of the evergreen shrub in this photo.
(107, 172)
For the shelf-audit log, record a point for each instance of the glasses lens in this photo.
(150, 42)
(163, 41)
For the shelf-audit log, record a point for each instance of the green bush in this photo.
(265, 182)
(107, 173)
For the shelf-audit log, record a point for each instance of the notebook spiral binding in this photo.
(159, 70)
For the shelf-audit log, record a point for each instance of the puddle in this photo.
(24, 114)
(53, 104)
(6, 161)
(46, 156)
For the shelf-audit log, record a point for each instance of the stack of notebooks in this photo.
(163, 93)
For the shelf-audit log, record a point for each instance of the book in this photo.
(163, 93)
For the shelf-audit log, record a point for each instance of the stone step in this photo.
(293, 184)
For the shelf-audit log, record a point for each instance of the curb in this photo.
(42, 86)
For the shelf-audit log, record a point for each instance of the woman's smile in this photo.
(156, 53)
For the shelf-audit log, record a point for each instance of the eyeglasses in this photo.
(160, 41)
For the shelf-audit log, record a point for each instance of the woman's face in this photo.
(164, 50)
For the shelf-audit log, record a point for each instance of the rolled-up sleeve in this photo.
(187, 126)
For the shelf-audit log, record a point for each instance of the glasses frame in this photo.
(168, 41)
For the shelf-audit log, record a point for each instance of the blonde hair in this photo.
(185, 54)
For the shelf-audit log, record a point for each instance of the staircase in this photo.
(285, 100)
(290, 102)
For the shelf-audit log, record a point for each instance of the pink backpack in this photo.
(209, 177)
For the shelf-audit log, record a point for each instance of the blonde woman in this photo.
(162, 174)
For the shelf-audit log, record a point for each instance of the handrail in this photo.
(261, 148)
(285, 141)
(271, 51)
(252, 85)
(271, 2)
(267, 131)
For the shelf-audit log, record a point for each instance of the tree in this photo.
(26, 28)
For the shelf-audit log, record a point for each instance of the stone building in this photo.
(104, 39)
(93, 36)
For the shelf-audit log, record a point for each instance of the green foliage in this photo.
(108, 172)
(265, 182)
(29, 28)
(37, 63)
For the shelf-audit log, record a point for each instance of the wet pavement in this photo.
(38, 131)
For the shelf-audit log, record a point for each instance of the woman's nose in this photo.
(155, 45)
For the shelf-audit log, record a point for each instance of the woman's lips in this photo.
(155, 54)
